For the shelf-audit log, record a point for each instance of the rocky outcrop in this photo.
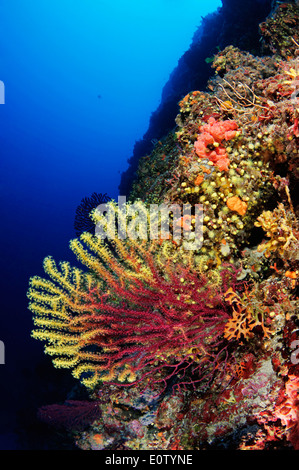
(235, 23)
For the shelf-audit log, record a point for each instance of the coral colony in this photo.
(192, 348)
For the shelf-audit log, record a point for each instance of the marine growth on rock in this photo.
(195, 349)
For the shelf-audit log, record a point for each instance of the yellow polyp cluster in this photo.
(282, 230)
(64, 304)
(190, 100)
(230, 199)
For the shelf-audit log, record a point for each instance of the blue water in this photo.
(81, 80)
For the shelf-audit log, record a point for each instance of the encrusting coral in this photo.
(282, 229)
(126, 318)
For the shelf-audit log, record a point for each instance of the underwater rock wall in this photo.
(235, 23)
(190, 349)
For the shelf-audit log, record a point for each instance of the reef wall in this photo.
(190, 341)
(235, 23)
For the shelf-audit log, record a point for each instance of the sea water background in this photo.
(81, 80)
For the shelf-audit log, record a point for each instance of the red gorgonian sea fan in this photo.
(127, 319)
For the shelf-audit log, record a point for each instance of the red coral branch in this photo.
(72, 415)
(172, 325)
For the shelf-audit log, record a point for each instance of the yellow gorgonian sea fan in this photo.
(60, 306)
(68, 307)
(126, 318)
